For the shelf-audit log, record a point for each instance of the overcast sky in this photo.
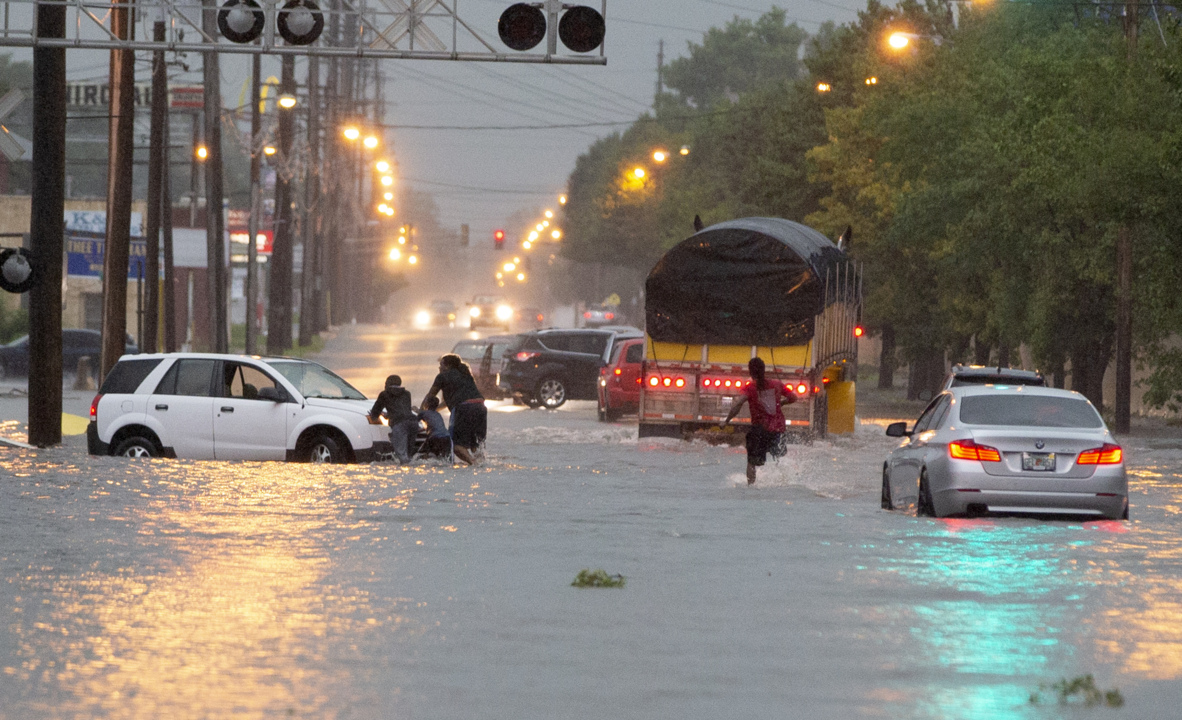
(481, 176)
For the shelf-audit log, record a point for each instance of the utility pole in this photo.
(46, 239)
(119, 177)
(660, 69)
(279, 309)
(170, 344)
(215, 243)
(252, 250)
(308, 314)
(156, 168)
(1124, 271)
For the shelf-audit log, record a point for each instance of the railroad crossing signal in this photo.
(16, 272)
(523, 25)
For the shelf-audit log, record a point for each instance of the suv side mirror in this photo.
(898, 429)
(270, 393)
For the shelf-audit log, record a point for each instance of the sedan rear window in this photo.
(1029, 411)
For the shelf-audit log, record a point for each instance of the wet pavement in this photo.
(163, 588)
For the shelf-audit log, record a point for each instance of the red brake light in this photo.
(667, 382)
(1108, 454)
(801, 389)
(587, 315)
(610, 316)
(969, 450)
(525, 356)
(94, 407)
(680, 382)
(727, 383)
(654, 381)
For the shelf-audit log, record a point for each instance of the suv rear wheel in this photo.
(137, 446)
(551, 393)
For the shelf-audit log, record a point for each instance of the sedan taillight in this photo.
(969, 450)
(1107, 454)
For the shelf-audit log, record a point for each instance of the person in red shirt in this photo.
(767, 419)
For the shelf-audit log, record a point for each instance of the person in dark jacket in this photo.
(469, 417)
(404, 424)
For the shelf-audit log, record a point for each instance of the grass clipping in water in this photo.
(1082, 687)
(597, 578)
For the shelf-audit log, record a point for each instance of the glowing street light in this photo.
(899, 40)
(287, 101)
(638, 173)
(352, 133)
(413, 259)
(548, 214)
(509, 267)
(533, 235)
(383, 208)
(395, 254)
(526, 245)
(556, 233)
(382, 166)
(202, 152)
(520, 277)
(824, 87)
(401, 239)
(684, 150)
(270, 150)
(371, 142)
(539, 227)
(871, 81)
(562, 198)
(387, 180)
(660, 156)
(388, 196)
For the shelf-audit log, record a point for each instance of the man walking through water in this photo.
(767, 418)
(404, 424)
(469, 417)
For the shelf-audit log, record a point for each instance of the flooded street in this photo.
(164, 588)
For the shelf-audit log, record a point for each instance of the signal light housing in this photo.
(241, 21)
(581, 29)
(300, 22)
(522, 26)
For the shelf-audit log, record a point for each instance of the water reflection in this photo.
(221, 593)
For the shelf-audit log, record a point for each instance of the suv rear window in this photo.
(1029, 411)
(127, 375)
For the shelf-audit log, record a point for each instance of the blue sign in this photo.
(86, 241)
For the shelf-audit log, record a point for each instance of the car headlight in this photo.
(423, 317)
(474, 311)
(504, 312)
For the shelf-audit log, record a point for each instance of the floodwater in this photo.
(147, 589)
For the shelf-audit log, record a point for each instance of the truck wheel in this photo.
(137, 446)
(551, 393)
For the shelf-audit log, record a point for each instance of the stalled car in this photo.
(1020, 450)
(548, 367)
(206, 406)
(619, 380)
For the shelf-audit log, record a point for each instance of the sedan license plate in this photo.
(1044, 462)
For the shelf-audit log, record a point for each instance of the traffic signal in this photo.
(522, 26)
(499, 239)
(299, 22)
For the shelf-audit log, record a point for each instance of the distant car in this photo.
(485, 357)
(207, 406)
(619, 380)
(532, 318)
(440, 313)
(489, 310)
(1012, 450)
(548, 367)
(76, 343)
(599, 315)
(991, 375)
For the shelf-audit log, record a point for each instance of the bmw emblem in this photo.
(1039, 444)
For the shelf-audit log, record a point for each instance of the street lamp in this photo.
(371, 142)
(638, 173)
(824, 87)
(382, 166)
(660, 156)
(899, 39)
(269, 150)
(287, 101)
(202, 152)
(352, 133)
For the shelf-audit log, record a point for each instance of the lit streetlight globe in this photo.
(371, 142)
(352, 133)
(638, 173)
(382, 166)
(548, 214)
(660, 156)
(395, 254)
(898, 40)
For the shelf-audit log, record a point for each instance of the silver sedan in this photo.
(1007, 449)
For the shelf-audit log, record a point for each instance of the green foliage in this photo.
(740, 58)
(13, 323)
(1079, 690)
(597, 578)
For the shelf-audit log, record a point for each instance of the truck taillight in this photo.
(654, 381)
(618, 371)
(859, 331)
(801, 389)
(668, 381)
(94, 407)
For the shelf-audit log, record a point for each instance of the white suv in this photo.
(231, 407)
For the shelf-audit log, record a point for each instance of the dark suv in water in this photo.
(548, 367)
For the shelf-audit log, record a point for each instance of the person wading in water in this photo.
(469, 417)
(767, 418)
